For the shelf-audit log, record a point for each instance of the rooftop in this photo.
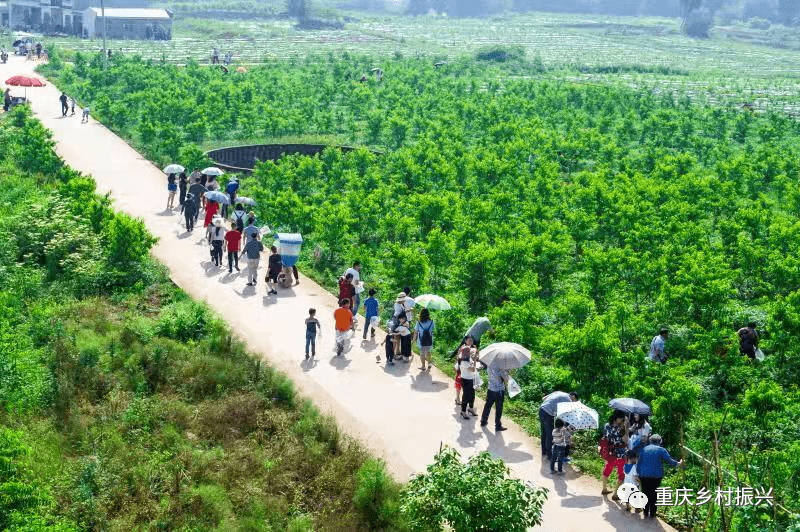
(119, 12)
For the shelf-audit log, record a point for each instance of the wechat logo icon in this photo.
(630, 493)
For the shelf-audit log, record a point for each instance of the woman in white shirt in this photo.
(467, 360)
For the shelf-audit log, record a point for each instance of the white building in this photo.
(128, 23)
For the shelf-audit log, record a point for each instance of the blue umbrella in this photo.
(219, 197)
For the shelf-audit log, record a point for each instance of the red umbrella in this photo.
(24, 81)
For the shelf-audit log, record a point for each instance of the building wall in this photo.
(131, 28)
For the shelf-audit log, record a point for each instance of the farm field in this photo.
(642, 52)
(607, 182)
(579, 217)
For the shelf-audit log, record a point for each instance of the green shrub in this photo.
(476, 496)
(376, 496)
(501, 53)
(183, 320)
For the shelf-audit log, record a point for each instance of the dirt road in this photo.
(402, 414)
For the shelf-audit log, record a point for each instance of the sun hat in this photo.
(401, 297)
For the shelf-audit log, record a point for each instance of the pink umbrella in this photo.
(24, 81)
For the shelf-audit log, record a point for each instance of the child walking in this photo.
(371, 310)
(631, 475)
(561, 440)
(312, 325)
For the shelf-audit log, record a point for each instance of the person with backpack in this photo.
(274, 268)
(423, 331)
(197, 190)
(189, 210)
(238, 217)
(748, 340)
(613, 447)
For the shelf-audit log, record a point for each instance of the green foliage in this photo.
(501, 54)
(376, 496)
(579, 218)
(478, 495)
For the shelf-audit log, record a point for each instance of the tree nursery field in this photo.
(580, 218)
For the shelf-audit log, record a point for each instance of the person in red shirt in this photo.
(347, 290)
(211, 209)
(343, 320)
(233, 239)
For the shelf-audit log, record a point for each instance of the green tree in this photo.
(476, 496)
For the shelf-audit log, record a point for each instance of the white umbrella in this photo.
(432, 302)
(244, 200)
(578, 415)
(505, 355)
(174, 169)
(212, 170)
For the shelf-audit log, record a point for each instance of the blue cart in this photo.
(289, 247)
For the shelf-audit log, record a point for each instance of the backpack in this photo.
(427, 339)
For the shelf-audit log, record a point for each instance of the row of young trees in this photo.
(580, 219)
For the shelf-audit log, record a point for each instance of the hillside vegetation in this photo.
(579, 218)
(125, 405)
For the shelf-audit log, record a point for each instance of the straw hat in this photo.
(400, 297)
(217, 221)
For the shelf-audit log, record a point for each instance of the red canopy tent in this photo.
(24, 81)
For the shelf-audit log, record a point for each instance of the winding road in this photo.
(400, 413)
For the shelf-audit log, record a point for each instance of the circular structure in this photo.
(242, 159)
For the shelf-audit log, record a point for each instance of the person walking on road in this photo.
(182, 186)
(197, 190)
(312, 326)
(64, 106)
(650, 470)
(560, 437)
(343, 322)
(547, 415)
(404, 332)
(467, 365)
(423, 332)
(216, 238)
(172, 189)
(211, 210)
(189, 210)
(371, 310)
(346, 289)
(233, 239)
(494, 396)
(252, 249)
(616, 438)
(355, 271)
(274, 268)
(72, 103)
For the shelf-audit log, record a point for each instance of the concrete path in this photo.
(400, 413)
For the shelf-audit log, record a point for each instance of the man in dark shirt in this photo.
(748, 340)
(273, 270)
(189, 209)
